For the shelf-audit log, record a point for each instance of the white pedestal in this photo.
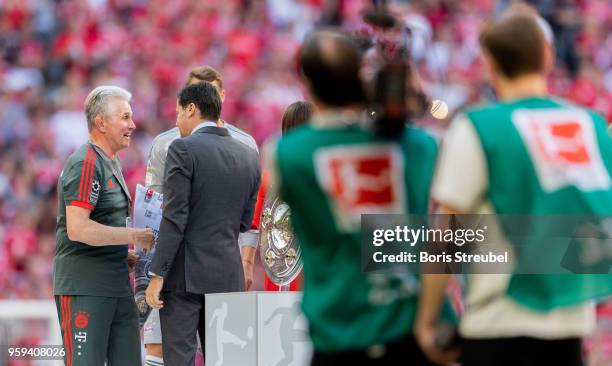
(256, 329)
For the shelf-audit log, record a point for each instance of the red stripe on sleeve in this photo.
(90, 180)
(83, 170)
(86, 205)
(86, 188)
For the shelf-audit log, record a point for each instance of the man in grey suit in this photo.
(209, 197)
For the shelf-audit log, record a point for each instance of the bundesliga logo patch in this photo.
(564, 149)
(366, 178)
(95, 191)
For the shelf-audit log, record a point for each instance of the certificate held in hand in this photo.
(147, 214)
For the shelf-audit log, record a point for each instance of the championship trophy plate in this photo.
(280, 252)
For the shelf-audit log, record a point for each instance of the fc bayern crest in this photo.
(81, 320)
(148, 195)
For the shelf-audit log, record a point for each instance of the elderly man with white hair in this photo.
(94, 299)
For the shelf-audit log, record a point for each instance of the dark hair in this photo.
(330, 62)
(296, 114)
(515, 42)
(205, 73)
(205, 97)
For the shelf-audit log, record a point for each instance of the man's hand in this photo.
(143, 238)
(247, 267)
(425, 335)
(248, 258)
(153, 291)
(132, 259)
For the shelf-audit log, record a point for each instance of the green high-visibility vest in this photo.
(329, 176)
(545, 156)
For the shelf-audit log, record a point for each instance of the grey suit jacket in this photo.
(209, 197)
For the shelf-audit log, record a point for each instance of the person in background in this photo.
(526, 154)
(210, 189)
(354, 317)
(295, 115)
(154, 179)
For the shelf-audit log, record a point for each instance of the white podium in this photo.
(256, 329)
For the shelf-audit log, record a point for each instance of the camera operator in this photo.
(354, 317)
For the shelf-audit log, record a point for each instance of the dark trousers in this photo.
(404, 352)
(99, 330)
(522, 351)
(181, 318)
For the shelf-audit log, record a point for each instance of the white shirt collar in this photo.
(204, 124)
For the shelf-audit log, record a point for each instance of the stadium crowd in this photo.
(54, 51)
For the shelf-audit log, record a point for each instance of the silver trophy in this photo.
(280, 252)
